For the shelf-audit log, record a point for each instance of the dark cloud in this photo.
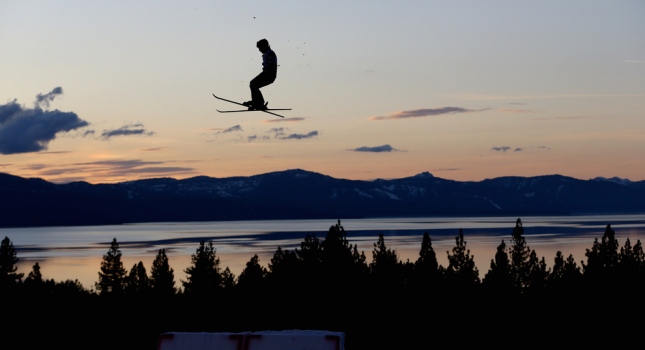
(121, 168)
(256, 137)
(416, 113)
(282, 120)
(232, 129)
(161, 170)
(34, 167)
(377, 149)
(519, 149)
(299, 136)
(447, 169)
(278, 132)
(120, 163)
(501, 149)
(126, 130)
(25, 130)
(44, 100)
(273, 133)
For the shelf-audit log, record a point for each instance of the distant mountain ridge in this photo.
(300, 194)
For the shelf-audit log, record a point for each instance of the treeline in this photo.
(326, 284)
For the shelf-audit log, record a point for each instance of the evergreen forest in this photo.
(377, 300)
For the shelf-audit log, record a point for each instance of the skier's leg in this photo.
(258, 82)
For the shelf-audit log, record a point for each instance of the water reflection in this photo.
(76, 252)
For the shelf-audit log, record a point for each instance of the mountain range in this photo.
(300, 194)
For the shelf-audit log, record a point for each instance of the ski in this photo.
(268, 110)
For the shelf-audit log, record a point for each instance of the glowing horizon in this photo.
(387, 92)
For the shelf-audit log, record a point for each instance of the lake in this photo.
(76, 252)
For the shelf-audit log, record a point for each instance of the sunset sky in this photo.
(467, 90)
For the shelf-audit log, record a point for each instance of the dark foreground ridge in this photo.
(299, 194)
(377, 301)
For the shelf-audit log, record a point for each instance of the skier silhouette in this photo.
(266, 77)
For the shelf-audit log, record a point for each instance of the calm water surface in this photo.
(76, 252)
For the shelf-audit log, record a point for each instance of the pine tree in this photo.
(385, 267)
(632, 259)
(520, 255)
(162, 276)
(426, 270)
(631, 267)
(538, 273)
(461, 271)
(137, 282)
(8, 260)
(602, 258)
(498, 278)
(35, 278)
(228, 279)
(309, 264)
(566, 275)
(343, 267)
(203, 276)
(283, 264)
(310, 252)
(112, 275)
(252, 277)
(70, 288)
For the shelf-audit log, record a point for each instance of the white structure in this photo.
(266, 340)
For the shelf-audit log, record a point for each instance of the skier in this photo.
(268, 75)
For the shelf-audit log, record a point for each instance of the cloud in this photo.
(126, 130)
(633, 61)
(120, 168)
(232, 129)
(500, 149)
(34, 166)
(376, 149)
(57, 152)
(416, 113)
(44, 100)
(109, 170)
(506, 148)
(299, 136)
(278, 132)
(282, 120)
(25, 130)
(446, 169)
(154, 149)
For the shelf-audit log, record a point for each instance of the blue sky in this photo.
(467, 90)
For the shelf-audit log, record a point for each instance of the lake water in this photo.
(76, 252)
